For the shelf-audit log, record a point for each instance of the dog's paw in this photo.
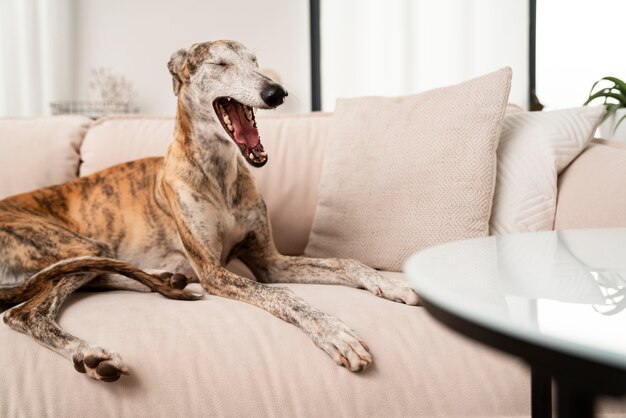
(172, 285)
(385, 287)
(174, 280)
(344, 346)
(395, 290)
(99, 364)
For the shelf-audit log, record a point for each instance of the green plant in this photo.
(616, 92)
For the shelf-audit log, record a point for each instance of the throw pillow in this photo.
(534, 148)
(404, 173)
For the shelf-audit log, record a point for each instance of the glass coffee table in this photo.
(555, 299)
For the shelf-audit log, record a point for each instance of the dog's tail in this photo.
(41, 280)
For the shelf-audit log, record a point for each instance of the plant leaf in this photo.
(599, 93)
(610, 109)
(619, 97)
(593, 87)
(618, 87)
(619, 83)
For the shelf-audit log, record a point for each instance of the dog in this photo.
(158, 223)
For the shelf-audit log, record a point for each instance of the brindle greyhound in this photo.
(188, 213)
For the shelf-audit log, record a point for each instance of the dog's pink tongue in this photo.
(244, 133)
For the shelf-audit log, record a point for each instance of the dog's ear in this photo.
(176, 65)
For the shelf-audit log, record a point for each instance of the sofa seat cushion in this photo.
(218, 357)
(39, 152)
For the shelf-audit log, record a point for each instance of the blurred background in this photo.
(50, 47)
(65, 55)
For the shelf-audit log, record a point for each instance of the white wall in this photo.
(136, 38)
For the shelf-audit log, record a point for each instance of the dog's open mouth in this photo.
(238, 120)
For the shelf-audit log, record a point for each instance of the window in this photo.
(396, 47)
(578, 42)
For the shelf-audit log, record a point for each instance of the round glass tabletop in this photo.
(563, 290)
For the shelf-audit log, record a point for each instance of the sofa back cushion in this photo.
(592, 190)
(119, 139)
(39, 152)
(288, 182)
(404, 173)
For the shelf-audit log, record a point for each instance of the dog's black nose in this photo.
(273, 95)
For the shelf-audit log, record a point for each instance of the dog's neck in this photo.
(200, 135)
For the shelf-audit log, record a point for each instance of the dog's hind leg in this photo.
(30, 244)
(56, 262)
(37, 319)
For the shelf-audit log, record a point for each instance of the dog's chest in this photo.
(234, 230)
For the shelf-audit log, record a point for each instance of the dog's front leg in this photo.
(285, 269)
(203, 244)
(259, 253)
(341, 343)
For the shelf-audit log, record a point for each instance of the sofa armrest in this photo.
(592, 190)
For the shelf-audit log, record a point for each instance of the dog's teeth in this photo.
(249, 114)
(224, 115)
(227, 122)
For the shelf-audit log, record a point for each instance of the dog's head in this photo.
(222, 78)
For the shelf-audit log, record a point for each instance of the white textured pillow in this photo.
(534, 148)
(39, 152)
(401, 174)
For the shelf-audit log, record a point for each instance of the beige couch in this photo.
(218, 357)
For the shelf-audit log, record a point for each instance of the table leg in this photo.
(541, 393)
(574, 402)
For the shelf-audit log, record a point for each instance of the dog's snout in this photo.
(273, 95)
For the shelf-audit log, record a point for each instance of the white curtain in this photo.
(36, 55)
(396, 47)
